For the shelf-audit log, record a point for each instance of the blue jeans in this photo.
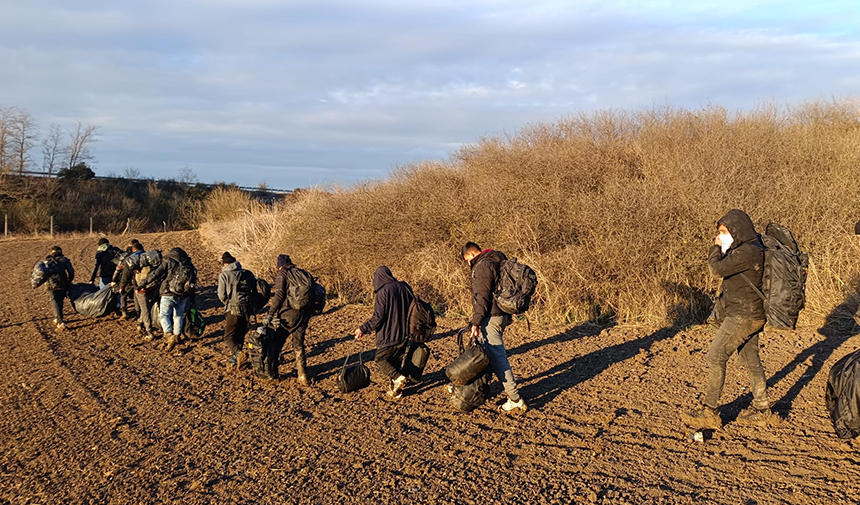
(104, 281)
(492, 329)
(173, 314)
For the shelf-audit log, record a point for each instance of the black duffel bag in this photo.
(97, 304)
(474, 394)
(470, 364)
(416, 362)
(264, 348)
(842, 396)
(353, 378)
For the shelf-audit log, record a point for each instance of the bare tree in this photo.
(131, 173)
(6, 120)
(52, 149)
(23, 139)
(187, 175)
(80, 140)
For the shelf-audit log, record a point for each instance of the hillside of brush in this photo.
(614, 210)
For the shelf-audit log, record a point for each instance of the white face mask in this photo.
(726, 241)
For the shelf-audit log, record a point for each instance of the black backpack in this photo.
(842, 396)
(422, 320)
(299, 288)
(264, 348)
(246, 294)
(318, 299)
(181, 279)
(784, 277)
(516, 285)
(56, 278)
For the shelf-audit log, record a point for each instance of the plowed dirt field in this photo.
(94, 415)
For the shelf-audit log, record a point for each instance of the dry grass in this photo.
(614, 210)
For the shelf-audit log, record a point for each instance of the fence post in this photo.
(52, 226)
(91, 225)
(6, 225)
(127, 226)
(165, 226)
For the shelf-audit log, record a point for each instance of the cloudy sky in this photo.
(335, 91)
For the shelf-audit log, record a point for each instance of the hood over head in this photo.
(739, 225)
(381, 277)
(177, 253)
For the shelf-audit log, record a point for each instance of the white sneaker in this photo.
(511, 407)
(397, 386)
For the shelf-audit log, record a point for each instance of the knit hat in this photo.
(227, 258)
(283, 260)
(103, 241)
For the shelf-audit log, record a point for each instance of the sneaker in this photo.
(512, 407)
(55, 322)
(397, 386)
(703, 417)
(755, 416)
(148, 336)
(61, 326)
(449, 388)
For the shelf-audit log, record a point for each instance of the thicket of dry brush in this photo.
(614, 210)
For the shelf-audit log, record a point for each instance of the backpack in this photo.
(150, 258)
(57, 278)
(181, 278)
(141, 275)
(196, 323)
(783, 283)
(264, 348)
(246, 295)
(299, 288)
(516, 285)
(264, 292)
(318, 299)
(42, 271)
(422, 320)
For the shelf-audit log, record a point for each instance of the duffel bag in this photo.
(353, 378)
(416, 361)
(98, 304)
(474, 394)
(470, 364)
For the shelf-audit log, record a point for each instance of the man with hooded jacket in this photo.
(738, 257)
(175, 264)
(489, 321)
(390, 321)
(289, 322)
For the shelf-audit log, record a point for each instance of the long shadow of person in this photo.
(839, 326)
(691, 307)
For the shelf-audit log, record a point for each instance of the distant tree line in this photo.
(61, 148)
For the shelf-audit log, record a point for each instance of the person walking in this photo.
(58, 283)
(230, 292)
(128, 294)
(289, 322)
(489, 321)
(390, 321)
(737, 256)
(104, 267)
(132, 279)
(177, 279)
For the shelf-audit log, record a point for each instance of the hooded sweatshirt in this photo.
(485, 276)
(171, 261)
(228, 281)
(390, 318)
(105, 266)
(745, 256)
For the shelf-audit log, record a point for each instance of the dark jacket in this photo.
(390, 318)
(290, 318)
(745, 256)
(171, 261)
(67, 275)
(228, 281)
(130, 266)
(485, 275)
(105, 267)
(117, 274)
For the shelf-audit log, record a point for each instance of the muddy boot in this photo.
(703, 417)
(148, 335)
(754, 416)
(301, 365)
(170, 342)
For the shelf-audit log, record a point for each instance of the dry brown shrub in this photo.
(614, 210)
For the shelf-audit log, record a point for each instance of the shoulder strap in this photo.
(360, 358)
(757, 290)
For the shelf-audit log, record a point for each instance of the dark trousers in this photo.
(235, 328)
(293, 325)
(389, 360)
(57, 297)
(741, 335)
(124, 298)
(144, 301)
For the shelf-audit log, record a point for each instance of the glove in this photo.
(267, 321)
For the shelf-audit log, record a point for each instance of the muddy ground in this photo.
(94, 415)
